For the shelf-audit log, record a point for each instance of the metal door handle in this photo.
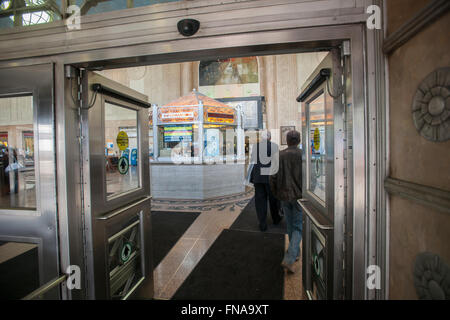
(302, 202)
(39, 292)
(121, 210)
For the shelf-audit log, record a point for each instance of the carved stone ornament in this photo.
(431, 106)
(431, 277)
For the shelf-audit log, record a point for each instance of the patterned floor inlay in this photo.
(233, 202)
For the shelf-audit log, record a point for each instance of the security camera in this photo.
(188, 27)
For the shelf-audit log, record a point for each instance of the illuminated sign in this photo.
(177, 114)
(217, 117)
(177, 133)
(220, 115)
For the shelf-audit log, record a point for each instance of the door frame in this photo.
(295, 40)
(38, 226)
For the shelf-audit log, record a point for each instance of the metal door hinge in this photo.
(74, 76)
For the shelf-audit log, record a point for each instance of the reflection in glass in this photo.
(317, 161)
(28, 12)
(14, 13)
(318, 263)
(96, 6)
(124, 262)
(17, 172)
(121, 150)
(317, 257)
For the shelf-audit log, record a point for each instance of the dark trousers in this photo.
(262, 194)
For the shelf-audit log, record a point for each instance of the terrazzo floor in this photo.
(215, 215)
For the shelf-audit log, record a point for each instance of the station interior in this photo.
(129, 160)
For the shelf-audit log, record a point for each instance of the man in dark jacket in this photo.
(286, 185)
(265, 159)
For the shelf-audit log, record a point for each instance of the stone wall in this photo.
(415, 228)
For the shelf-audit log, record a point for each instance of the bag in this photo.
(249, 175)
(15, 166)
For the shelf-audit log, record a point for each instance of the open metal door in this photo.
(28, 209)
(325, 184)
(116, 189)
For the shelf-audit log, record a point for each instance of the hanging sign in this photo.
(177, 114)
(123, 165)
(219, 115)
(122, 140)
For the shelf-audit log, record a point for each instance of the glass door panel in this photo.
(28, 217)
(317, 153)
(122, 169)
(17, 171)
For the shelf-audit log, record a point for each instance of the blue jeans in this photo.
(293, 215)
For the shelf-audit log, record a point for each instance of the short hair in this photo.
(293, 138)
(266, 135)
